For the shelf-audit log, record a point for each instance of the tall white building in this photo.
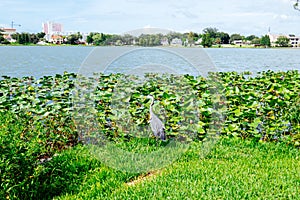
(52, 29)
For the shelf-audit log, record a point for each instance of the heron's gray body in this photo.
(156, 124)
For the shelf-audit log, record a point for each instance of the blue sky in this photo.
(118, 16)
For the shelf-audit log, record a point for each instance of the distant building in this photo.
(164, 42)
(274, 38)
(238, 42)
(52, 29)
(57, 39)
(176, 42)
(241, 42)
(82, 40)
(294, 40)
(7, 32)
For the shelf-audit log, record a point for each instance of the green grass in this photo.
(234, 169)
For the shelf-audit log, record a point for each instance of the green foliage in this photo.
(73, 39)
(218, 40)
(256, 106)
(129, 39)
(211, 31)
(259, 106)
(133, 107)
(265, 41)
(296, 5)
(150, 40)
(26, 38)
(283, 41)
(235, 36)
(256, 41)
(3, 40)
(89, 38)
(234, 169)
(36, 125)
(224, 37)
(250, 37)
(44, 103)
(206, 40)
(216, 36)
(173, 35)
(41, 35)
(98, 38)
(21, 38)
(191, 38)
(28, 171)
(101, 39)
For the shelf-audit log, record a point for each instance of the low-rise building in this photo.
(164, 42)
(7, 32)
(57, 39)
(238, 42)
(241, 42)
(294, 40)
(176, 42)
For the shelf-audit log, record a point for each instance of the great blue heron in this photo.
(156, 124)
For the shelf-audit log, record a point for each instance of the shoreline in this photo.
(226, 46)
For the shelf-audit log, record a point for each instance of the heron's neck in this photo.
(151, 105)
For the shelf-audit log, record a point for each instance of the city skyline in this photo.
(232, 16)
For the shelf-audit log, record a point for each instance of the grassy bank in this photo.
(235, 169)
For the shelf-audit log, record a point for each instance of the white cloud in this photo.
(287, 1)
(284, 17)
(281, 17)
(249, 14)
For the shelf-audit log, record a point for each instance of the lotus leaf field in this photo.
(39, 117)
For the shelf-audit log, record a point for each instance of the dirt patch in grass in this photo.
(144, 177)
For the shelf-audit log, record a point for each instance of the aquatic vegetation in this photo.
(265, 106)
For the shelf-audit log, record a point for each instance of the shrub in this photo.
(29, 167)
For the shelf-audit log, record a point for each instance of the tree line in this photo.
(22, 38)
(33, 38)
(209, 37)
(142, 40)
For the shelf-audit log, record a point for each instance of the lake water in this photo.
(18, 61)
